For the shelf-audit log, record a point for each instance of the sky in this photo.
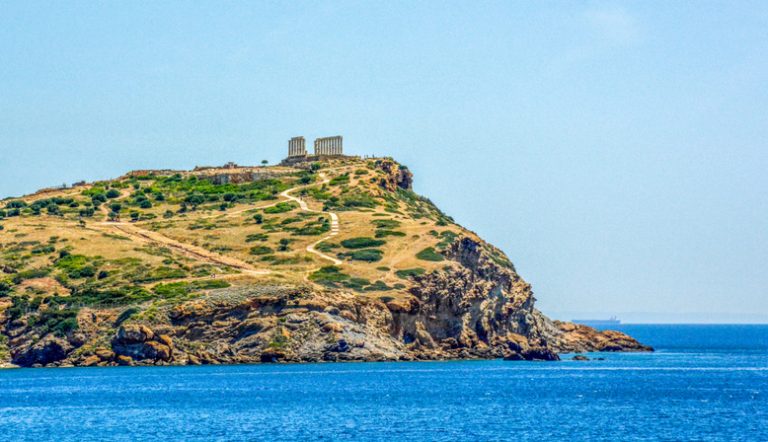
(616, 151)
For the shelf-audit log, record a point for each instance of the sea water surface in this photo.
(704, 383)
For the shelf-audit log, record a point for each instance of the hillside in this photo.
(331, 260)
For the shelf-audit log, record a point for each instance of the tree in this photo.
(17, 204)
(284, 245)
(195, 200)
(145, 204)
(134, 216)
(259, 218)
(115, 207)
(113, 193)
(264, 162)
(114, 216)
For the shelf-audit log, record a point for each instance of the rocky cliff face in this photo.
(479, 308)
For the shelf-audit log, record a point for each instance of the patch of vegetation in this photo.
(20, 277)
(280, 208)
(177, 290)
(429, 254)
(448, 238)
(339, 180)
(57, 321)
(76, 266)
(362, 242)
(409, 273)
(381, 233)
(327, 246)
(261, 250)
(329, 276)
(386, 223)
(256, 237)
(365, 255)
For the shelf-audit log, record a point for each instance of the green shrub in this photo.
(429, 254)
(329, 276)
(16, 204)
(43, 250)
(338, 180)
(366, 255)
(378, 286)
(256, 237)
(326, 246)
(409, 273)
(385, 233)
(280, 208)
(112, 193)
(362, 242)
(386, 223)
(261, 250)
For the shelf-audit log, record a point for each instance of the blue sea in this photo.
(703, 383)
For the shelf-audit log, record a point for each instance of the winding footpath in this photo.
(334, 222)
(199, 253)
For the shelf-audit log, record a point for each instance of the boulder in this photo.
(580, 358)
(104, 354)
(46, 351)
(90, 361)
(124, 360)
(540, 354)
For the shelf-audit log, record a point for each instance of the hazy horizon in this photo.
(615, 151)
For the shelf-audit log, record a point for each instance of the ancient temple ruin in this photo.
(297, 147)
(329, 146)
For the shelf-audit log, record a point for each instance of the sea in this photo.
(704, 383)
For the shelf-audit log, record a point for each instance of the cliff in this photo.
(330, 261)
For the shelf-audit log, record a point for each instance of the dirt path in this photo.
(334, 222)
(138, 233)
(195, 252)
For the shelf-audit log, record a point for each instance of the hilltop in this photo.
(325, 260)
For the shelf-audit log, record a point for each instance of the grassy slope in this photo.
(186, 232)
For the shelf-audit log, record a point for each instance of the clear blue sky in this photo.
(617, 151)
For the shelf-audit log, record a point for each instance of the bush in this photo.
(112, 193)
(362, 242)
(261, 250)
(429, 254)
(145, 204)
(3, 213)
(341, 179)
(259, 218)
(386, 233)
(409, 273)
(115, 207)
(256, 237)
(16, 204)
(5, 288)
(280, 208)
(329, 275)
(366, 255)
